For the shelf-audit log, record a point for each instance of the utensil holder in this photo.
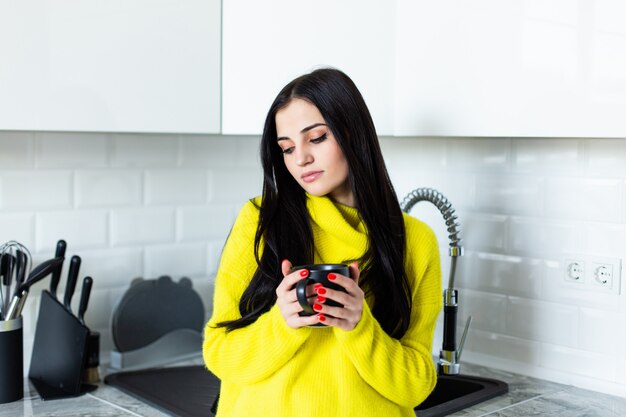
(11, 361)
(59, 349)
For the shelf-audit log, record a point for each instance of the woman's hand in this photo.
(286, 297)
(348, 316)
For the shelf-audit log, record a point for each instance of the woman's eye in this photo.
(320, 139)
(287, 151)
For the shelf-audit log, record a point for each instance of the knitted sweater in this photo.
(271, 369)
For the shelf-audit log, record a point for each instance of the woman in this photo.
(327, 198)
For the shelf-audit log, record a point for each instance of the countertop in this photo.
(526, 397)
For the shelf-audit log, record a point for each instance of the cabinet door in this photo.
(511, 68)
(268, 43)
(115, 65)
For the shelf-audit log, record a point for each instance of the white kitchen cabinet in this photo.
(110, 66)
(510, 68)
(268, 43)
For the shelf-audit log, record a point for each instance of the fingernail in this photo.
(317, 307)
(321, 317)
(304, 273)
(332, 276)
(320, 299)
(320, 290)
(284, 260)
(316, 286)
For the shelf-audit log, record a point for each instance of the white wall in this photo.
(144, 205)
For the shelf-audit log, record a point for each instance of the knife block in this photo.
(58, 357)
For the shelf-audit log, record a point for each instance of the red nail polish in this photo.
(321, 317)
(317, 307)
(304, 273)
(320, 290)
(318, 285)
(320, 299)
(332, 276)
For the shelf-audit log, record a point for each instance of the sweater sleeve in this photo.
(253, 353)
(402, 370)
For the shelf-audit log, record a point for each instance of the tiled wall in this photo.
(146, 205)
(524, 206)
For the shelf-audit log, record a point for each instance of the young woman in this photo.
(327, 198)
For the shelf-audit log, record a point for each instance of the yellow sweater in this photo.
(270, 369)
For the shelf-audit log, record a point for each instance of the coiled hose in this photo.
(452, 222)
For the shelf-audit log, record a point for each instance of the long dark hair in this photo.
(284, 222)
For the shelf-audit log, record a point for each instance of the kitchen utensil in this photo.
(72, 277)
(56, 275)
(15, 261)
(6, 269)
(84, 299)
(37, 274)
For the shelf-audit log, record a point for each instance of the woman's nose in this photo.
(303, 157)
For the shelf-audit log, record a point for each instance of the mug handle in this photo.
(301, 295)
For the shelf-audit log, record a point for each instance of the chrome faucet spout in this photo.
(449, 356)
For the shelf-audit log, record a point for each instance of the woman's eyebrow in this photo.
(306, 129)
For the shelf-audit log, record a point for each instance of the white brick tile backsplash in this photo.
(584, 199)
(606, 239)
(81, 229)
(18, 226)
(544, 155)
(510, 194)
(602, 331)
(204, 222)
(606, 157)
(149, 204)
(509, 275)
(109, 267)
(542, 238)
(235, 186)
(63, 149)
(142, 226)
(208, 151)
(406, 154)
(502, 346)
(595, 365)
(478, 154)
(487, 310)
(133, 150)
(17, 150)
(172, 186)
(36, 190)
(183, 259)
(108, 188)
(247, 154)
(487, 233)
(542, 322)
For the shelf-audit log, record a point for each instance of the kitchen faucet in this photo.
(449, 356)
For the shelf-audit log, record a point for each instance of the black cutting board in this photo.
(153, 308)
(186, 391)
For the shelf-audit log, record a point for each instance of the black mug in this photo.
(11, 361)
(318, 274)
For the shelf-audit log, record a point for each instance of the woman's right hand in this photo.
(286, 297)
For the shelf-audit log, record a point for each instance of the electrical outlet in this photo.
(603, 275)
(574, 270)
(592, 273)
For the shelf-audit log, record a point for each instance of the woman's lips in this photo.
(311, 176)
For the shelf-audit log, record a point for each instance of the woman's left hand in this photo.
(348, 316)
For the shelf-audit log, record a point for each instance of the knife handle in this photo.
(72, 277)
(56, 275)
(84, 299)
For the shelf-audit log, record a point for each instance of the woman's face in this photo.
(311, 153)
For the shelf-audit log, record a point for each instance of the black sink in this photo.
(454, 393)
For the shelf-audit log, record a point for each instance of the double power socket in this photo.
(591, 273)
